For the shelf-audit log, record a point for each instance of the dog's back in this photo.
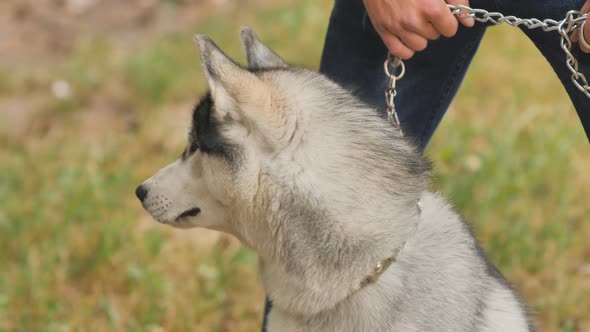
(440, 282)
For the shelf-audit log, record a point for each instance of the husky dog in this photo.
(333, 200)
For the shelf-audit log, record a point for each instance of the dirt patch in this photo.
(40, 36)
(17, 113)
(43, 32)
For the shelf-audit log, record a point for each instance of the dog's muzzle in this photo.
(189, 213)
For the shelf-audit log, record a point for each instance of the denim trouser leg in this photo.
(354, 55)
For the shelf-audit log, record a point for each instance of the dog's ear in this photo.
(223, 73)
(237, 89)
(230, 83)
(259, 55)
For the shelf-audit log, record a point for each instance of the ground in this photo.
(95, 96)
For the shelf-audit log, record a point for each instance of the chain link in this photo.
(572, 22)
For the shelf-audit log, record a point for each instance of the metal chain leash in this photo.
(390, 91)
(573, 21)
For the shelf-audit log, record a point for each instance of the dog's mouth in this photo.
(188, 213)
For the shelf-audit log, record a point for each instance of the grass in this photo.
(79, 254)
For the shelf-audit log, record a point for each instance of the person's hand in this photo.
(406, 26)
(576, 36)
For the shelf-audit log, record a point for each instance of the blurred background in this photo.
(96, 95)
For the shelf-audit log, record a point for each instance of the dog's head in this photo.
(269, 135)
(233, 126)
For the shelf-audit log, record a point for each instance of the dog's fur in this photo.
(323, 188)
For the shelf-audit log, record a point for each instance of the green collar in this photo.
(381, 267)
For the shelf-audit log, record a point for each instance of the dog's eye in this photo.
(193, 147)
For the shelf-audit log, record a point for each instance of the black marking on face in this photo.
(206, 128)
(205, 134)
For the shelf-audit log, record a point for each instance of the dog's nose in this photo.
(141, 192)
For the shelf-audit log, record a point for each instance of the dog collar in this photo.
(383, 265)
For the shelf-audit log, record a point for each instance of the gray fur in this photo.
(324, 190)
(257, 54)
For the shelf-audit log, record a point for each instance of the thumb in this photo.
(586, 35)
(466, 21)
(576, 35)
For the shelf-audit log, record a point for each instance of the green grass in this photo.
(78, 253)
(74, 259)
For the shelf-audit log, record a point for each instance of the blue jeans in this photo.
(354, 55)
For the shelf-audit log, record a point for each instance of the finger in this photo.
(396, 46)
(576, 34)
(466, 21)
(413, 41)
(417, 25)
(585, 9)
(586, 36)
(443, 21)
(427, 31)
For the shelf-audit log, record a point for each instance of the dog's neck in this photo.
(307, 277)
(383, 265)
